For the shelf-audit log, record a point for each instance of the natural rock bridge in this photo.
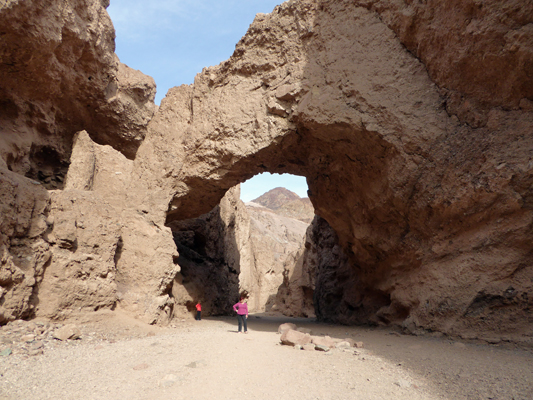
(412, 124)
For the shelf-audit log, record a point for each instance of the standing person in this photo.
(242, 313)
(198, 312)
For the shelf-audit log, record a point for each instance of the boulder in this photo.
(324, 341)
(350, 341)
(320, 347)
(67, 332)
(343, 345)
(292, 338)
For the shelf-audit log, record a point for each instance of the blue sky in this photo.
(173, 40)
(262, 183)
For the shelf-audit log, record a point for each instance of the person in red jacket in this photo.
(242, 313)
(198, 312)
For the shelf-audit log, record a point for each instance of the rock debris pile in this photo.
(302, 339)
(28, 338)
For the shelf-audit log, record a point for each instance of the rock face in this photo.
(103, 252)
(212, 249)
(59, 75)
(275, 242)
(24, 252)
(63, 251)
(406, 160)
(410, 120)
(334, 280)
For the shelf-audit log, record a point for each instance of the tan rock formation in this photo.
(102, 252)
(80, 275)
(234, 249)
(59, 75)
(478, 53)
(295, 338)
(288, 204)
(275, 240)
(212, 249)
(295, 295)
(411, 123)
(424, 202)
(144, 253)
(24, 255)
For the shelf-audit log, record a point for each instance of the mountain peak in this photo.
(288, 204)
(276, 198)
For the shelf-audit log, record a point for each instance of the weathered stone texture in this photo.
(411, 122)
(59, 75)
(295, 295)
(423, 202)
(24, 255)
(80, 275)
(211, 250)
(275, 241)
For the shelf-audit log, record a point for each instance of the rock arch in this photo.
(327, 90)
(415, 142)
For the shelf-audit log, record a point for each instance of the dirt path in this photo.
(123, 359)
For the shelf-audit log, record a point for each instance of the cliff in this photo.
(410, 120)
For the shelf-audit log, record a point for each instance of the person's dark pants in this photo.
(242, 321)
(198, 315)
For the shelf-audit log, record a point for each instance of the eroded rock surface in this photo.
(275, 241)
(59, 75)
(411, 122)
(61, 248)
(211, 249)
(24, 254)
(424, 200)
(235, 249)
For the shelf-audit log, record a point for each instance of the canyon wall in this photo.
(425, 182)
(66, 223)
(276, 241)
(212, 249)
(410, 120)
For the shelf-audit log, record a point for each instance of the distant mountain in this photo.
(288, 204)
(276, 198)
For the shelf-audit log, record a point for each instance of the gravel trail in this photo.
(208, 359)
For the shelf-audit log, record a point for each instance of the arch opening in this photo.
(250, 247)
(336, 121)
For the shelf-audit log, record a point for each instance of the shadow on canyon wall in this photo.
(206, 275)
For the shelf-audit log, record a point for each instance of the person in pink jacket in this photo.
(242, 313)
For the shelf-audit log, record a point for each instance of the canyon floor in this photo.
(120, 358)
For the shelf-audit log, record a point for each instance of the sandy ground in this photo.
(120, 358)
